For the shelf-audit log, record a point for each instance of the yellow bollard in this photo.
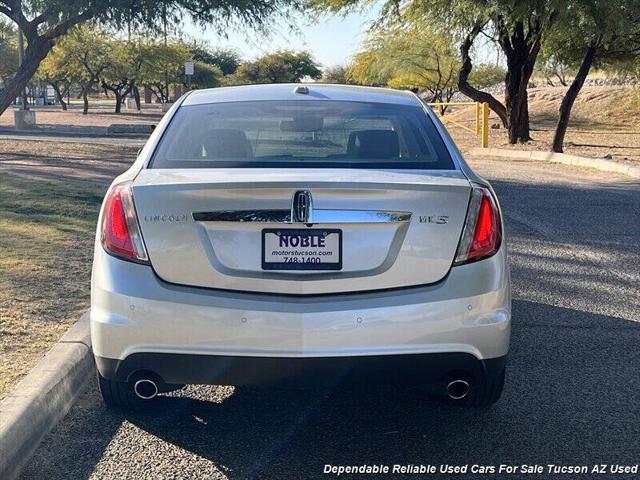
(478, 117)
(485, 125)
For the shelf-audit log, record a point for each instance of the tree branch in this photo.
(465, 70)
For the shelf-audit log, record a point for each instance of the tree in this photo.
(80, 57)
(595, 31)
(158, 57)
(56, 71)
(418, 58)
(123, 68)
(411, 57)
(338, 74)
(204, 76)
(364, 69)
(85, 52)
(518, 27)
(227, 60)
(551, 65)
(283, 66)
(487, 75)
(43, 22)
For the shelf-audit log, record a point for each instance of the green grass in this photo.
(47, 228)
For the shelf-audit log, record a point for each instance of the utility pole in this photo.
(20, 61)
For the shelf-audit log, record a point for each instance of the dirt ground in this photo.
(604, 121)
(99, 117)
(49, 201)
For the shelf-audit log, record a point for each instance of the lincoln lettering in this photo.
(302, 241)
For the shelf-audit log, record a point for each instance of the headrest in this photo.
(374, 144)
(226, 143)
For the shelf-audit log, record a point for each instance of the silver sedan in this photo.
(300, 234)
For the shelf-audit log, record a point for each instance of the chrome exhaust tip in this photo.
(145, 389)
(458, 389)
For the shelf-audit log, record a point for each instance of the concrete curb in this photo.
(103, 133)
(601, 164)
(44, 397)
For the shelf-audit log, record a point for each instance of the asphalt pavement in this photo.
(572, 395)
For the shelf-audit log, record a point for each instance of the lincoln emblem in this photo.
(302, 207)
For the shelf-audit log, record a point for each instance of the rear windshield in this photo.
(299, 134)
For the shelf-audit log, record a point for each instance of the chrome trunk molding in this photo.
(319, 216)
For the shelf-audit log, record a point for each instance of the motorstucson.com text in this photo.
(502, 469)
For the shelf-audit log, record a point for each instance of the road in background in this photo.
(572, 395)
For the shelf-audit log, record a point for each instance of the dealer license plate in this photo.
(301, 249)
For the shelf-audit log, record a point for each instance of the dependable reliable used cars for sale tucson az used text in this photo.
(300, 234)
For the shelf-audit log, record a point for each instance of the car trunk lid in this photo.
(225, 228)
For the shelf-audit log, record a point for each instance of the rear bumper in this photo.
(133, 312)
(237, 370)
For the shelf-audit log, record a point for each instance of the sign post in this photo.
(188, 71)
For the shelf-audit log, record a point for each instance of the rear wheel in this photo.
(118, 395)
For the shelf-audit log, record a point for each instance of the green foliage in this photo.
(56, 16)
(412, 56)
(283, 66)
(365, 68)
(205, 76)
(163, 62)
(487, 75)
(231, 81)
(227, 60)
(125, 59)
(83, 55)
(450, 15)
(613, 27)
(8, 49)
(337, 74)
(55, 67)
(121, 65)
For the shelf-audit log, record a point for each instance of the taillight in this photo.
(120, 230)
(482, 232)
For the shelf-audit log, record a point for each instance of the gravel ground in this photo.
(572, 395)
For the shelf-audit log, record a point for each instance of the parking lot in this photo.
(573, 384)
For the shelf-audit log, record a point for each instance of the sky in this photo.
(332, 40)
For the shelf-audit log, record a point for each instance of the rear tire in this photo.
(118, 395)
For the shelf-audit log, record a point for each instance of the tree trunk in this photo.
(570, 97)
(463, 78)
(136, 96)
(36, 51)
(517, 104)
(85, 100)
(118, 101)
(521, 47)
(521, 59)
(59, 95)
